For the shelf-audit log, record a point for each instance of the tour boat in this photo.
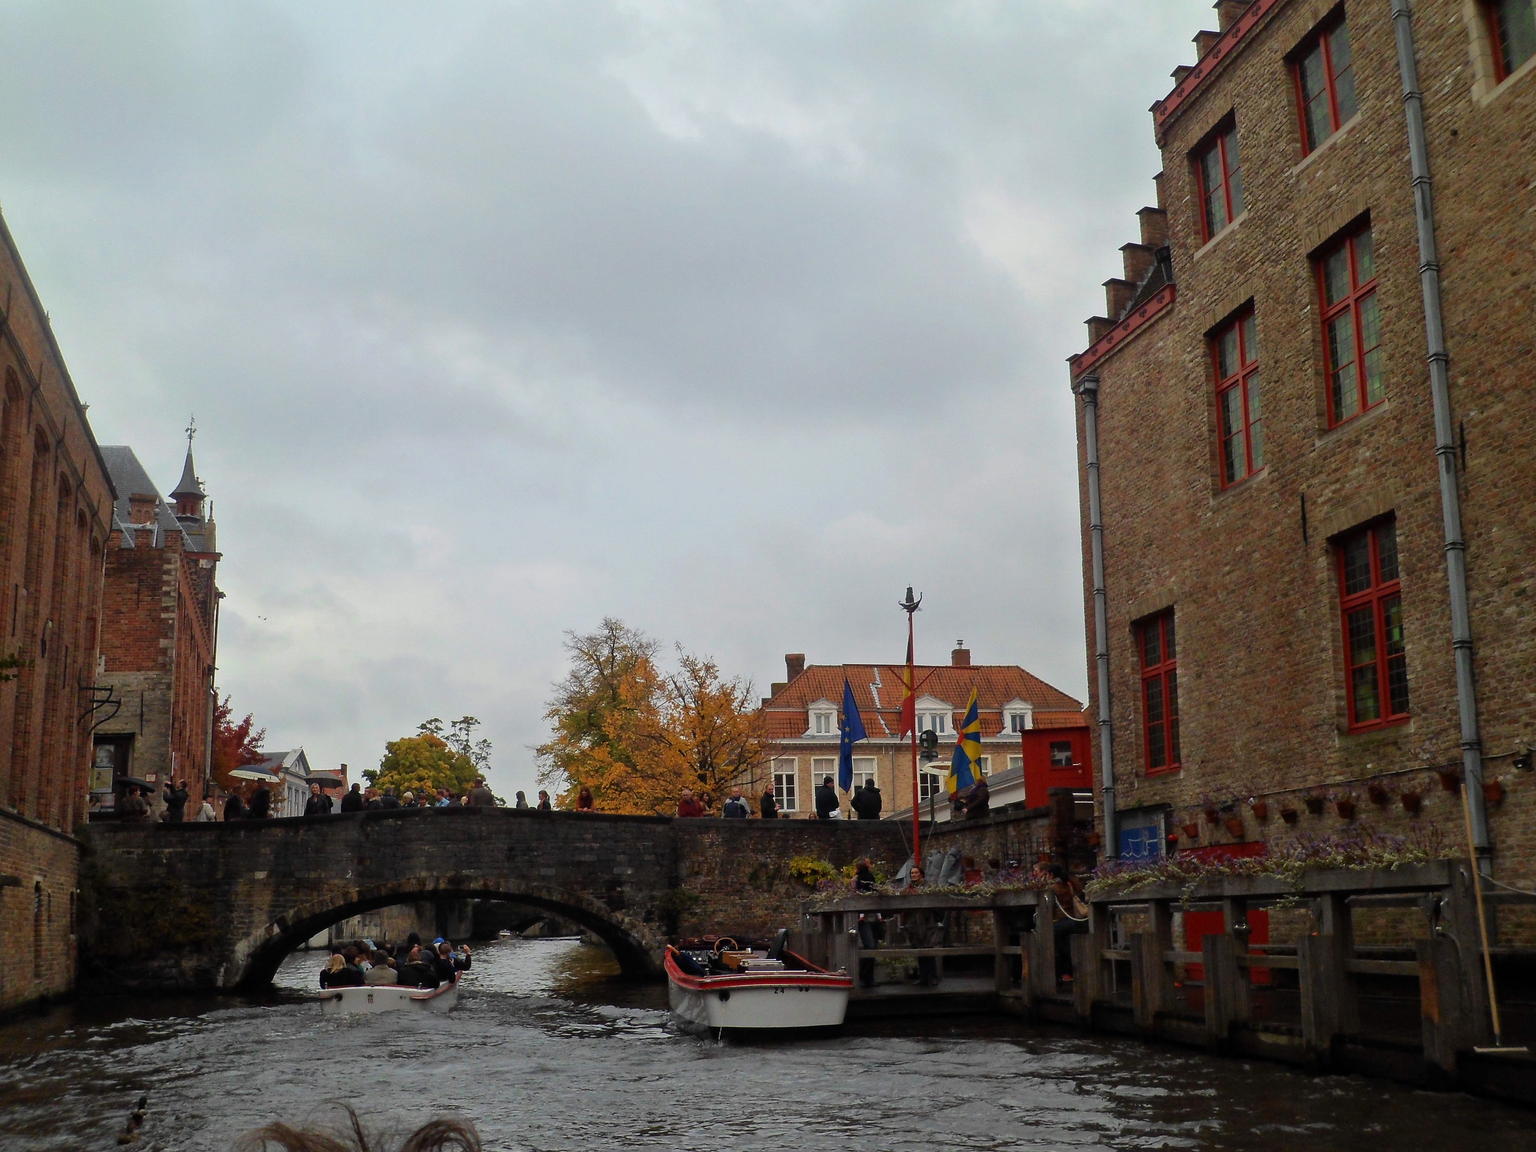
(388, 997)
(748, 989)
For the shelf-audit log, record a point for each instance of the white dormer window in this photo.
(823, 717)
(933, 715)
(1018, 716)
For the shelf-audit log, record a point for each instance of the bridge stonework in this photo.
(183, 907)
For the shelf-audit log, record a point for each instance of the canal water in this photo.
(548, 1051)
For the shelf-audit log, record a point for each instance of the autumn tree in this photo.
(235, 744)
(636, 735)
(426, 762)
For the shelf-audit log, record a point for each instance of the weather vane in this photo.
(910, 604)
(191, 431)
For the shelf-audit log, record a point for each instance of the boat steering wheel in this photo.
(726, 944)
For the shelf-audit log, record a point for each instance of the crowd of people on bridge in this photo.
(411, 963)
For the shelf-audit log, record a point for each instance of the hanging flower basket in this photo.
(1412, 802)
(1493, 791)
(1260, 810)
(1314, 804)
(1234, 826)
(1345, 809)
(1289, 815)
(1192, 829)
(1450, 779)
(1212, 816)
(1378, 793)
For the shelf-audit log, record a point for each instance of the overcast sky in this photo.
(730, 320)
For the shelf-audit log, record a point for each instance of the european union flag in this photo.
(852, 730)
(962, 766)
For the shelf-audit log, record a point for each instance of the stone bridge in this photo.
(183, 907)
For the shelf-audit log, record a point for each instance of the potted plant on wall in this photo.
(1412, 800)
(1379, 793)
(1289, 814)
(1493, 790)
(1260, 808)
(1450, 777)
(1192, 827)
(1314, 800)
(1234, 825)
(1211, 809)
(1344, 802)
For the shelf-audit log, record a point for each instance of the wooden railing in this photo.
(1127, 959)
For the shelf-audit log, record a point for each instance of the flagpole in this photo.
(909, 606)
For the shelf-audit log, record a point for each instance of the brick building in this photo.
(159, 633)
(1028, 729)
(1311, 508)
(55, 513)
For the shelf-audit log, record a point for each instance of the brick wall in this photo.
(38, 870)
(1249, 570)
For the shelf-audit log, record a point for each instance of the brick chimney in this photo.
(794, 663)
(961, 656)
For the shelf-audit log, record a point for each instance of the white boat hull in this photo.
(793, 998)
(388, 998)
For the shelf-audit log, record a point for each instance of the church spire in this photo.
(189, 494)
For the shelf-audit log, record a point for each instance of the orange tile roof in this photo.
(878, 691)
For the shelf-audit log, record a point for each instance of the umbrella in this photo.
(252, 774)
(324, 779)
(133, 782)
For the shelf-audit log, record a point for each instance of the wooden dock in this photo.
(1376, 972)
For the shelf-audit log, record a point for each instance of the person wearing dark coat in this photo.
(260, 806)
(175, 802)
(418, 971)
(389, 799)
(234, 807)
(353, 800)
(826, 799)
(767, 806)
(318, 804)
(866, 801)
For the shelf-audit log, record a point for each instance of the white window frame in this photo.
(863, 771)
(1015, 762)
(821, 767)
(786, 772)
(1018, 716)
(821, 719)
(930, 784)
(1070, 762)
(984, 765)
(934, 714)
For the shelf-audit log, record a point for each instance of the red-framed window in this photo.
(1325, 82)
(1371, 609)
(1512, 33)
(1239, 418)
(1346, 282)
(1155, 644)
(1219, 171)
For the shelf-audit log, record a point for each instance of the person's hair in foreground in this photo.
(440, 1135)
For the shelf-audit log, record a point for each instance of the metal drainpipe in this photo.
(1445, 442)
(1088, 389)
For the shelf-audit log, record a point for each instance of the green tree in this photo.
(422, 764)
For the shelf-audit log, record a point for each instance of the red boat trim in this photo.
(827, 981)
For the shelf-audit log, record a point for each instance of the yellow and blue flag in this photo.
(852, 729)
(966, 761)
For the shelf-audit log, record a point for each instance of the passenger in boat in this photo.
(403, 951)
(340, 974)
(767, 806)
(418, 971)
(442, 1135)
(866, 801)
(382, 972)
(690, 805)
(826, 799)
(735, 808)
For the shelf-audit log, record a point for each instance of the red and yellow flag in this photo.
(908, 701)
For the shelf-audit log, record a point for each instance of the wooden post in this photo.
(1223, 989)
(1151, 985)
(1449, 1021)
(1329, 1007)
(1042, 955)
(1235, 920)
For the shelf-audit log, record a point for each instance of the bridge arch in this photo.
(254, 960)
